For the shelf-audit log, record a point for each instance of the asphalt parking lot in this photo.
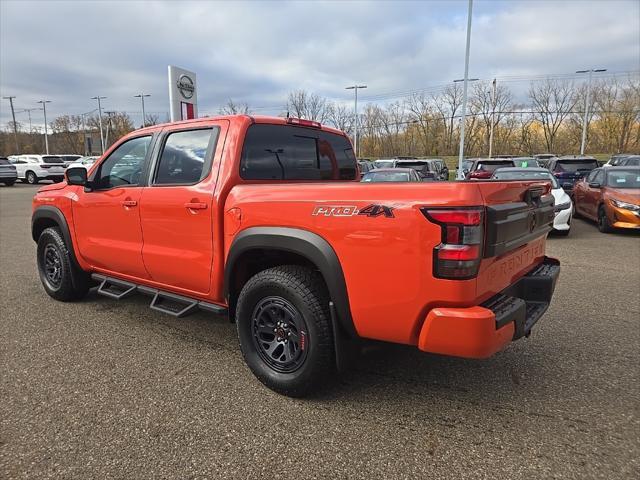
(106, 389)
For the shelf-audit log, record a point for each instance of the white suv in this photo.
(33, 168)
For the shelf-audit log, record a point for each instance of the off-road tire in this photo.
(73, 283)
(303, 289)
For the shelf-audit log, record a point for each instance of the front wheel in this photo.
(603, 221)
(60, 279)
(284, 329)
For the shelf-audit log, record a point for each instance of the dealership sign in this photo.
(183, 98)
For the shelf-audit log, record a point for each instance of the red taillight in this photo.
(459, 254)
(480, 174)
(303, 123)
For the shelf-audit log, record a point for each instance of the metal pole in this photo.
(15, 126)
(46, 136)
(355, 88)
(98, 98)
(493, 113)
(464, 93)
(587, 99)
(144, 116)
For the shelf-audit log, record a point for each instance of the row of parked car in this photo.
(33, 168)
(608, 194)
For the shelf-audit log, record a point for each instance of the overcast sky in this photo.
(256, 52)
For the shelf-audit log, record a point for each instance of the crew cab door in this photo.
(177, 211)
(592, 195)
(107, 216)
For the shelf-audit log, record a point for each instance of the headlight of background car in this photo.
(625, 205)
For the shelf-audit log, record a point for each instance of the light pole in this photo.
(29, 110)
(355, 89)
(98, 98)
(144, 117)
(15, 127)
(493, 113)
(46, 136)
(586, 105)
(464, 91)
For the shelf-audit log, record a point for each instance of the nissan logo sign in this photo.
(185, 86)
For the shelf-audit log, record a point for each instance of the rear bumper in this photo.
(481, 331)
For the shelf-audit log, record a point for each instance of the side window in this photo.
(591, 176)
(124, 166)
(277, 152)
(599, 177)
(186, 157)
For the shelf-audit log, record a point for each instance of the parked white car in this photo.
(68, 158)
(85, 162)
(33, 168)
(563, 205)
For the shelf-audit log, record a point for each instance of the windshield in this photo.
(492, 166)
(386, 177)
(525, 162)
(383, 163)
(545, 176)
(624, 179)
(417, 166)
(573, 166)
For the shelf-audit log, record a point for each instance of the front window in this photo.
(624, 179)
(124, 166)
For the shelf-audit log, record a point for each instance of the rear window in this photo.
(277, 152)
(492, 166)
(4, 161)
(576, 165)
(374, 176)
(52, 159)
(511, 175)
(417, 166)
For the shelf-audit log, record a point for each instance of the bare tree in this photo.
(232, 108)
(489, 109)
(553, 100)
(447, 105)
(340, 116)
(302, 104)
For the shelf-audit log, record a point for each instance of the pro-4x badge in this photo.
(372, 210)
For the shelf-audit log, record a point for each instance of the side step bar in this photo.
(165, 302)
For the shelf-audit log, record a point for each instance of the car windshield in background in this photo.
(52, 159)
(417, 166)
(576, 165)
(544, 176)
(492, 166)
(383, 163)
(525, 162)
(374, 176)
(624, 179)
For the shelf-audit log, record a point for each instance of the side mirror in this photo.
(76, 176)
(594, 185)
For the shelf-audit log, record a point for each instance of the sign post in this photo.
(183, 98)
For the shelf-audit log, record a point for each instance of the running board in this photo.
(162, 301)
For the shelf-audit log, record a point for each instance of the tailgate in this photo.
(519, 215)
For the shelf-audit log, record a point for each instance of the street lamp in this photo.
(141, 97)
(355, 89)
(46, 138)
(464, 91)
(98, 98)
(15, 126)
(586, 105)
(494, 99)
(29, 110)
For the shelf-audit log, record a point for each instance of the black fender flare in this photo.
(306, 244)
(54, 214)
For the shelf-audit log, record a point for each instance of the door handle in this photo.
(129, 203)
(196, 205)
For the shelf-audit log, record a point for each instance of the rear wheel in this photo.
(284, 329)
(31, 178)
(603, 221)
(60, 278)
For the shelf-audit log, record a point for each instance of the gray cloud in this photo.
(258, 51)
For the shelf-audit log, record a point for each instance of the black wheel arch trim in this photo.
(53, 213)
(306, 244)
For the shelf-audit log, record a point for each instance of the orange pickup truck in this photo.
(264, 219)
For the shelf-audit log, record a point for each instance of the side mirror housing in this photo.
(595, 185)
(76, 176)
